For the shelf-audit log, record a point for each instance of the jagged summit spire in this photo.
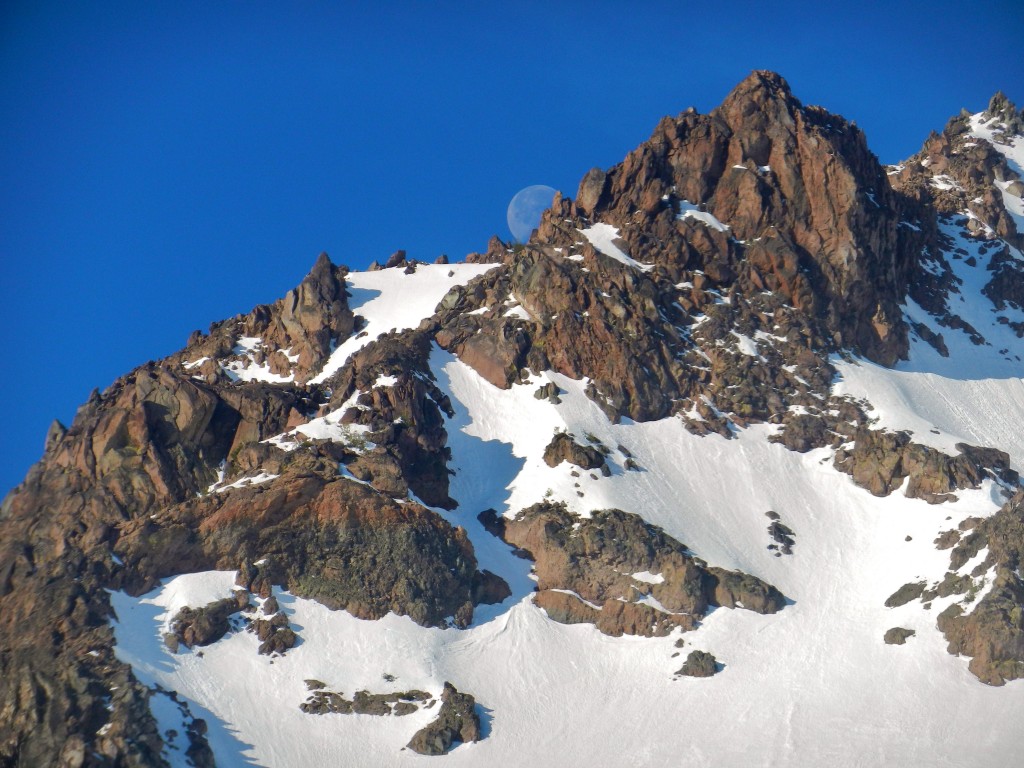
(763, 79)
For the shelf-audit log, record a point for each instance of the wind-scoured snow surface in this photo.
(811, 685)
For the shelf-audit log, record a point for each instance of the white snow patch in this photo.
(247, 369)
(390, 299)
(649, 578)
(244, 482)
(603, 237)
(745, 345)
(688, 210)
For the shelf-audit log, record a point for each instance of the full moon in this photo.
(525, 209)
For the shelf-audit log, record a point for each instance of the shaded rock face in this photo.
(992, 634)
(604, 569)
(405, 419)
(699, 664)
(457, 722)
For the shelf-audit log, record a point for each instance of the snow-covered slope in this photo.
(812, 685)
(653, 432)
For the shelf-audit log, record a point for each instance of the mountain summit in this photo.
(728, 446)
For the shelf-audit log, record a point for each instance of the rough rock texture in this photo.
(563, 448)
(993, 632)
(758, 240)
(956, 173)
(273, 631)
(296, 334)
(457, 721)
(333, 540)
(699, 664)
(739, 242)
(585, 570)
(797, 177)
(405, 419)
(205, 625)
(880, 461)
(897, 635)
(129, 480)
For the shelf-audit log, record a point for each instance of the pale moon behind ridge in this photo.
(526, 208)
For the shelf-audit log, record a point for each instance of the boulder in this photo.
(457, 722)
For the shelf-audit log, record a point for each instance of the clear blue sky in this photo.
(167, 164)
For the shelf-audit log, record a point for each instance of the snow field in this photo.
(811, 685)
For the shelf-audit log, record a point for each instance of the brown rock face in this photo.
(130, 475)
(799, 181)
(585, 573)
(406, 419)
(812, 250)
(880, 461)
(969, 169)
(333, 540)
(304, 324)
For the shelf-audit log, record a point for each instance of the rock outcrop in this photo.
(992, 633)
(137, 489)
(457, 722)
(623, 575)
(322, 702)
(290, 339)
(699, 664)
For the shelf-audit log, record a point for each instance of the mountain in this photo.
(719, 468)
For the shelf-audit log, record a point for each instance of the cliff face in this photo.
(717, 276)
(809, 211)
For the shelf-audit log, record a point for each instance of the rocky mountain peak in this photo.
(762, 99)
(779, 178)
(646, 357)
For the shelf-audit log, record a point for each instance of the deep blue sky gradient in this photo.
(167, 164)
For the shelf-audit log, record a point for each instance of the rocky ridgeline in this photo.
(295, 335)
(967, 181)
(813, 267)
(755, 242)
